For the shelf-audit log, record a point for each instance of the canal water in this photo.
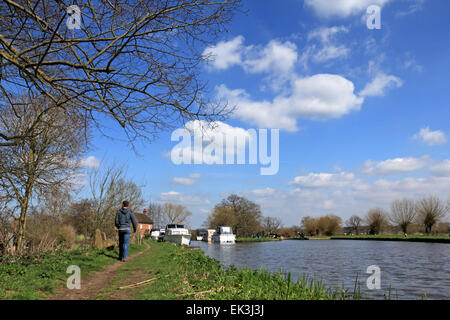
(411, 269)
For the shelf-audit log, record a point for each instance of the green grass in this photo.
(37, 277)
(186, 273)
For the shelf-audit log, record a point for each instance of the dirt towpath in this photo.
(96, 281)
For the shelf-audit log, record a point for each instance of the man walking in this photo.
(123, 218)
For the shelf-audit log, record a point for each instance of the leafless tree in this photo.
(109, 187)
(403, 213)
(175, 213)
(155, 212)
(354, 222)
(44, 160)
(430, 211)
(271, 224)
(134, 61)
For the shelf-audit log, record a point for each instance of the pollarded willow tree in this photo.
(403, 213)
(134, 61)
(429, 211)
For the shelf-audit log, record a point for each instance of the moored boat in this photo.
(155, 233)
(177, 233)
(224, 234)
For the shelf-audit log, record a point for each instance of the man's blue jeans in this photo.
(124, 241)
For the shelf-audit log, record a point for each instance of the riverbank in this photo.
(167, 271)
(38, 277)
(163, 271)
(412, 238)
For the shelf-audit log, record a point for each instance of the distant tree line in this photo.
(425, 215)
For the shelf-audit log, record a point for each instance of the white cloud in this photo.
(214, 137)
(276, 57)
(379, 84)
(90, 162)
(342, 8)
(319, 97)
(330, 52)
(394, 166)
(226, 53)
(431, 137)
(441, 169)
(324, 180)
(325, 34)
(345, 196)
(187, 181)
(328, 204)
(263, 192)
(183, 199)
(328, 49)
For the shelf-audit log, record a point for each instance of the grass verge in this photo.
(36, 277)
(185, 273)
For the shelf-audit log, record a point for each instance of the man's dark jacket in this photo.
(123, 218)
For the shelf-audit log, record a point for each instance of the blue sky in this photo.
(362, 114)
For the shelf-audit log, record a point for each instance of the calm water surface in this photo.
(410, 268)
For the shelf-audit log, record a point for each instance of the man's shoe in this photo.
(124, 260)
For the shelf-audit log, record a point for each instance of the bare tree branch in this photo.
(134, 61)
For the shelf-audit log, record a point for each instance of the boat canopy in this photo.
(175, 226)
(224, 230)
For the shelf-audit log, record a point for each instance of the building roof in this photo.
(143, 218)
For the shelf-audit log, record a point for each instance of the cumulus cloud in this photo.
(275, 57)
(217, 140)
(345, 194)
(342, 8)
(431, 137)
(225, 54)
(380, 84)
(394, 166)
(319, 97)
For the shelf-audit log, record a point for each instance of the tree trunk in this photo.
(23, 217)
(21, 227)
